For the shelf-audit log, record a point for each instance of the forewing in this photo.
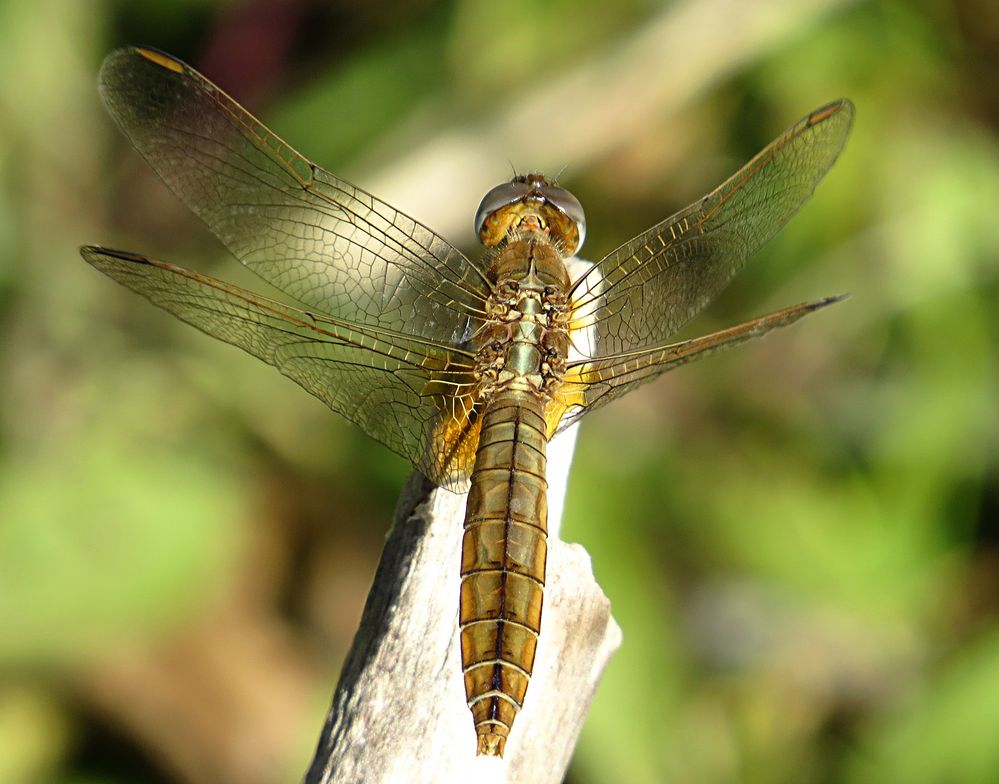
(644, 291)
(411, 394)
(328, 244)
(590, 384)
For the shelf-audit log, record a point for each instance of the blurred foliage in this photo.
(800, 539)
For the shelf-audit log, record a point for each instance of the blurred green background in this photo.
(800, 539)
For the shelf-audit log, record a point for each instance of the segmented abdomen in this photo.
(503, 564)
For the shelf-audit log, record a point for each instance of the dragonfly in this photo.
(465, 367)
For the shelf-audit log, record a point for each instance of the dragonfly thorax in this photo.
(524, 342)
(531, 203)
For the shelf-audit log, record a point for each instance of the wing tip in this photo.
(818, 304)
(842, 106)
(93, 253)
(112, 76)
(832, 300)
(799, 311)
(159, 57)
(150, 53)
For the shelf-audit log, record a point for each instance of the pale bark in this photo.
(399, 714)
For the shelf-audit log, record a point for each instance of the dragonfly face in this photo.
(463, 367)
(531, 197)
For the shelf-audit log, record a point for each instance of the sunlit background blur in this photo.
(800, 539)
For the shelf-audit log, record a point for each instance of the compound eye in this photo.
(568, 204)
(501, 196)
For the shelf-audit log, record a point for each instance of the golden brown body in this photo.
(504, 547)
(503, 565)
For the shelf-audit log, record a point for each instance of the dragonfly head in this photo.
(531, 201)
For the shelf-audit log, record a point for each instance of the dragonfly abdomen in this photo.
(503, 564)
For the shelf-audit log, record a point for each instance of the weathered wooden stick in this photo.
(399, 714)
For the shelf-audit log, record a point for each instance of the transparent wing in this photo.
(590, 384)
(644, 291)
(411, 394)
(326, 243)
